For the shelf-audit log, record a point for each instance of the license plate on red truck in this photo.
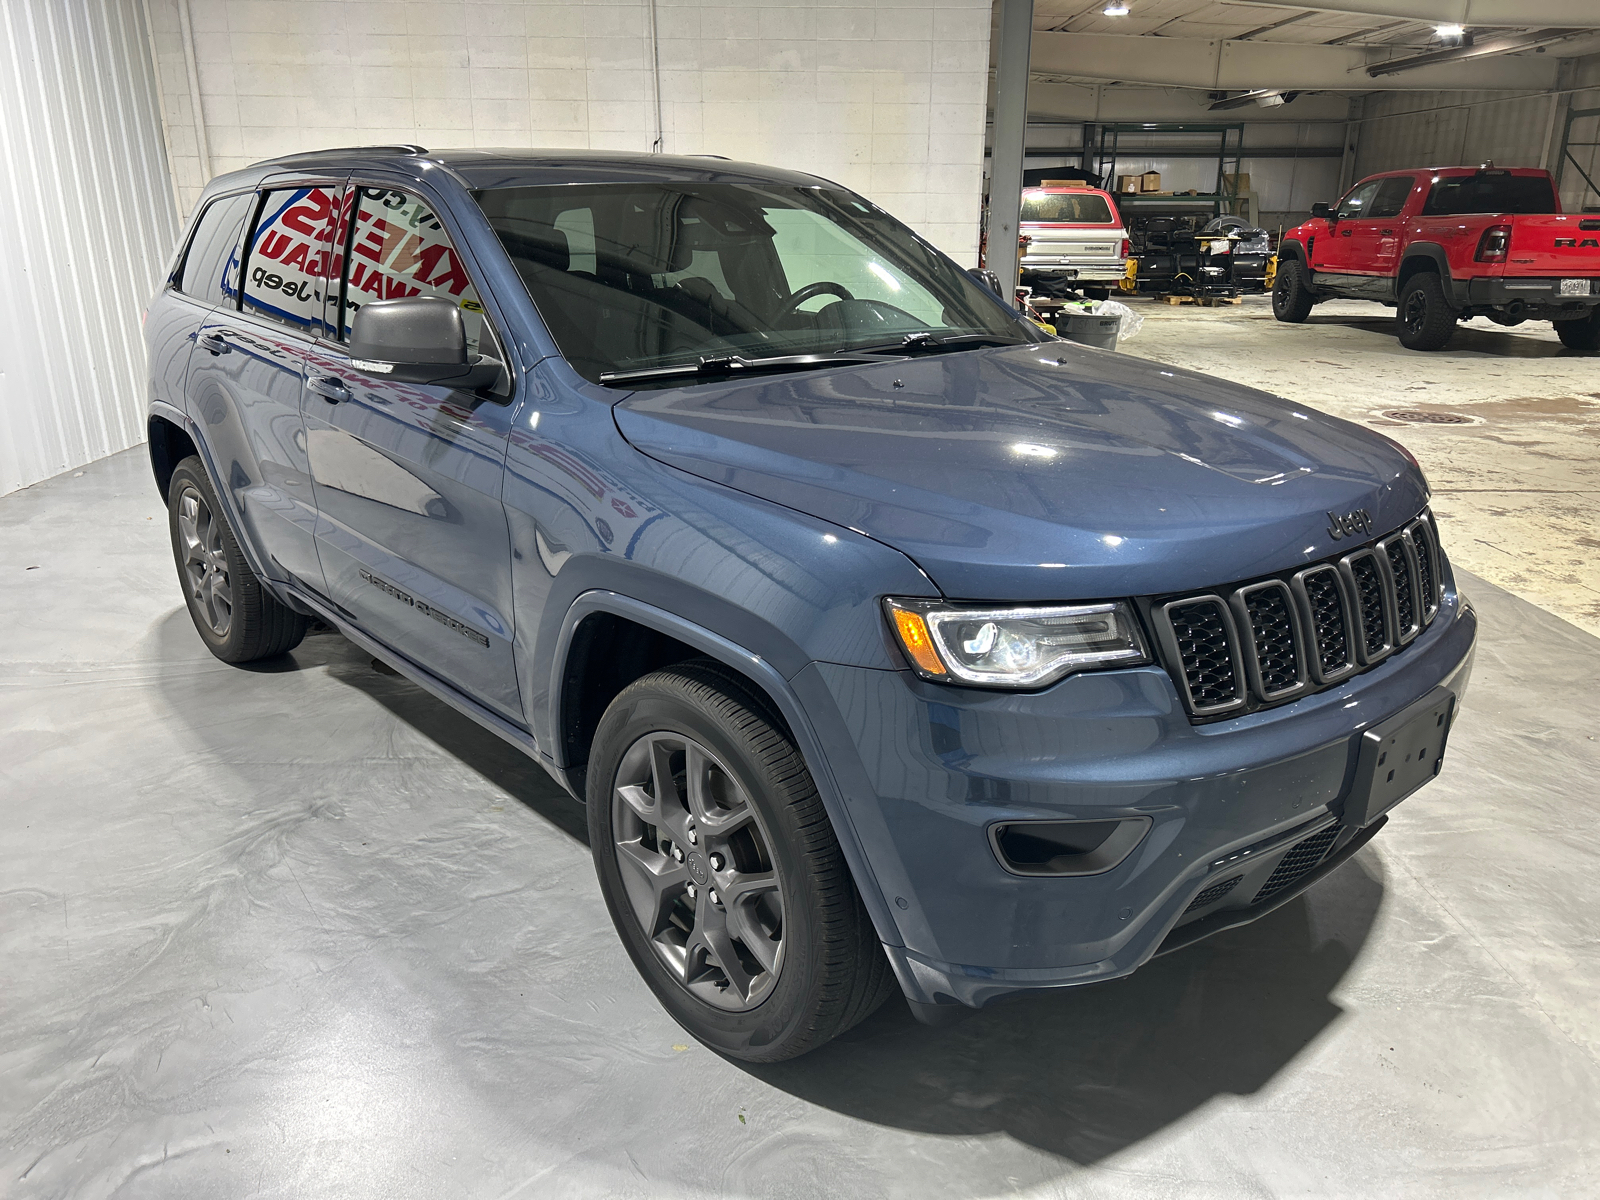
(1573, 287)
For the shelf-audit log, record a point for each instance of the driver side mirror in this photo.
(987, 278)
(420, 339)
(1322, 210)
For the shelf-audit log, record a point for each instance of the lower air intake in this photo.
(1303, 858)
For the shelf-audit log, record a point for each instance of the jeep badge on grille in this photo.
(1354, 522)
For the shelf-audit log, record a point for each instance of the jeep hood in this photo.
(1040, 472)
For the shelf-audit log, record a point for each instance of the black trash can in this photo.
(1089, 329)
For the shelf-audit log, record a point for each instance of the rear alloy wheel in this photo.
(238, 619)
(1582, 334)
(1291, 293)
(721, 870)
(1424, 319)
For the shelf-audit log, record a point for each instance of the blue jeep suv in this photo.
(890, 642)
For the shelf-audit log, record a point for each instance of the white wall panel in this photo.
(86, 226)
(887, 97)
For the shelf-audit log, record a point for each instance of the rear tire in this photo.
(1582, 334)
(235, 616)
(725, 882)
(1291, 293)
(1423, 318)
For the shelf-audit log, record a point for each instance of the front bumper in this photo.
(928, 769)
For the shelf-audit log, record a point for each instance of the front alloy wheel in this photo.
(698, 871)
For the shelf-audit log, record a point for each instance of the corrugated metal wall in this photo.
(87, 223)
(1452, 129)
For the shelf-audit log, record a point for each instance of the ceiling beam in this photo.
(1346, 38)
(1247, 66)
(1289, 20)
(1482, 48)
(1571, 14)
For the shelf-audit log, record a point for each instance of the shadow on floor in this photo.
(1085, 1072)
(1468, 339)
(501, 764)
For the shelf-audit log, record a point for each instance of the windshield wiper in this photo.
(926, 343)
(735, 364)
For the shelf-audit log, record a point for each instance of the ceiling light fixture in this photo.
(1115, 9)
(1449, 31)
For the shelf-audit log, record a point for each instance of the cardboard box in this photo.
(1150, 181)
(1062, 183)
(1127, 183)
(1236, 185)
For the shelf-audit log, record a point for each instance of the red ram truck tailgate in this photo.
(1559, 245)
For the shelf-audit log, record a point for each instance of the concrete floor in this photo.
(1517, 491)
(304, 932)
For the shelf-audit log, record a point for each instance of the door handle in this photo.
(215, 343)
(330, 388)
(1388, 233)
(1346, 233)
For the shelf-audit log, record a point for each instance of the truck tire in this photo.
(1424, 319)
(1582, 334)
(237, 618)
(721, 870)
(1291, 293)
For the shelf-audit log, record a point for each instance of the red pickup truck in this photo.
(1445, 244)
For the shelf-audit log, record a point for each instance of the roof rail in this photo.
(398, 148)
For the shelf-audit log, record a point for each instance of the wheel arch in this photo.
(169, 444)
(619, 639)
(1425, 256)
(1292, 249)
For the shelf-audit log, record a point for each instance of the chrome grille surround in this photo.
(1270, 641)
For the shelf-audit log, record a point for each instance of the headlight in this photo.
(1014, 647)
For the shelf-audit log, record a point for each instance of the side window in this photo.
(399, 248)
(211, 268)
(289, 257)
(1391, 197)
(1358, 202)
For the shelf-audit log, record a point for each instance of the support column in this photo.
(1010, 132)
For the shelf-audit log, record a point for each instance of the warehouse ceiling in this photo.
(1338, 46)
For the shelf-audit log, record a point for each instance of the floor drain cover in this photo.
(1427, 418)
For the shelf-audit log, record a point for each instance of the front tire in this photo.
(235, 616)
(1582, 334)
(721, 870)
(1424, 319)
(1291, 293)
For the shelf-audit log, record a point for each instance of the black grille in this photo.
(1369, 598)
(1405, 603)
(1272, 628)
(1213, 893)
(1425, 574)
(1304, 857)
(1329, 623)
(1201, 632)
(1253, 645)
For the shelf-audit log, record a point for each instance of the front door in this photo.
(1338, 250)
(411, 529)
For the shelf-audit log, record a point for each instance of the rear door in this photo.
(412, 532)
(206, 276)
(245, 377)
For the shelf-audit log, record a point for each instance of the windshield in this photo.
(1463, 194)
(632, 276)
(1076, 208)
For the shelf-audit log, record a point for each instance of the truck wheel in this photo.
(721, 871)
(1582, 334)
(238, 619)
(1424, 319)
(1291, 293)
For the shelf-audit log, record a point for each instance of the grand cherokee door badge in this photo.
(428, 610)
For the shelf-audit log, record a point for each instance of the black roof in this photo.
(518, 167)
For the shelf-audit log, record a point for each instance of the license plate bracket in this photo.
(1573, 287)
(1399, 755)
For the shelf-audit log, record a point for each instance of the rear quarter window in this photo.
(1470, 194)
(210, 271)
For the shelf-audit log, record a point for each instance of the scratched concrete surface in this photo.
(1517, 491)
(304, 932)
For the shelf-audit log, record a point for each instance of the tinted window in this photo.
(1357, 202)
(211, 268)
(634, 276)
(1391, 197)
(290, 259)
(399, 248)
(1083, 208)
(1493, 193)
